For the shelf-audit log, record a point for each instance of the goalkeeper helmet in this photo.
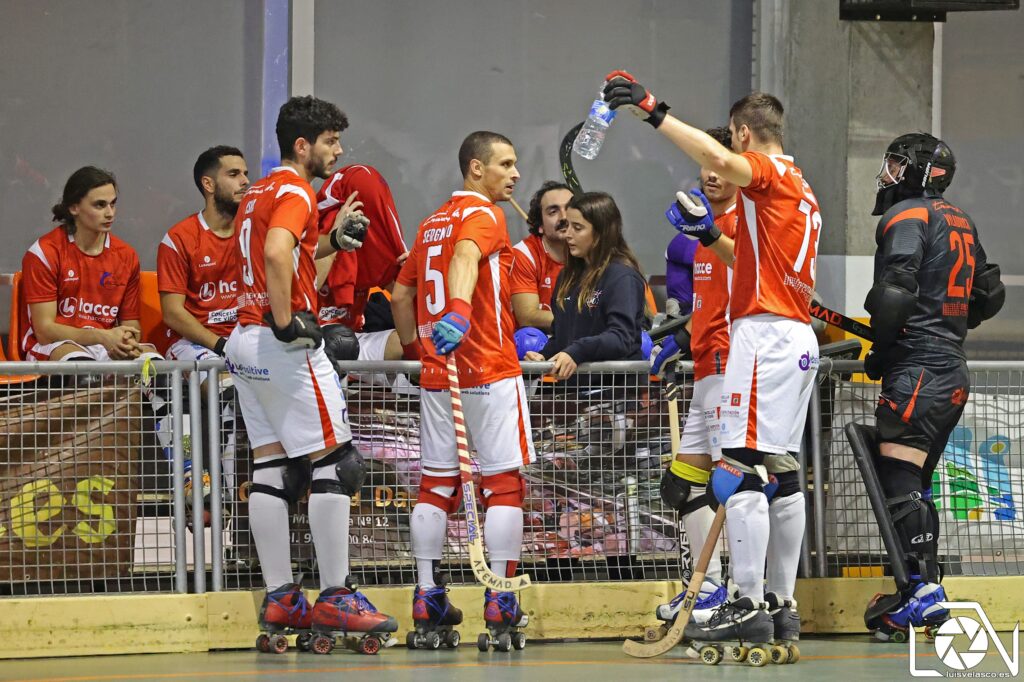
(913, 164)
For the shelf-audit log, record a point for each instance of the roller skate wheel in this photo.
(780, 654)
(278, 644)
(710, 655)
(432, 640)
(412, 640)
(757, 657)
(898, 636)
(263, 643)
(369, 645)
(794, 653)
(303, 640)
(483, 642)
(655, 634)
(518, 641)
(504, 642)
(739, 653)
(322, 645)
(453, 639)
(930, 631)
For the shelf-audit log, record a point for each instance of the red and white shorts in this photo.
(497, 421)
(701, 433)
(773, 362)
(287, 394)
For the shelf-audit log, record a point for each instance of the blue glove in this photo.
(451, 328)
(691, 214)
(676, 347)
(529, 339)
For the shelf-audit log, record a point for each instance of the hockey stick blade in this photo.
(638, 649)
(565, 157)
(690, 205)
(841, 321)
(477, 560)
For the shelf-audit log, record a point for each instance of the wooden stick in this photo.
(519, 210)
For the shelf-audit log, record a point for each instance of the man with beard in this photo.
(197, 261)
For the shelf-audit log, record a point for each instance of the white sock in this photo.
(788, 518)
(697, 525)
(746, 514)
(503, 533)
(427, 529)
(268, 522)
(328, 523)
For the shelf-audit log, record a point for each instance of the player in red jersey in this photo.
(290, 396)
(81, 282)
(539, 257)
(453, 292)
(347, 277)
(197, 261)
(773, 355)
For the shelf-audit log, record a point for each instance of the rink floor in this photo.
(841, 658)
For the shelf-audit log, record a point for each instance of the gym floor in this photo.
(837, 658)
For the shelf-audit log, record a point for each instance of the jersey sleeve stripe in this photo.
(37, 250)
(522, 247)
(167, 241)
(493, 262)
(910, 214)
(294, 189)
(473, 209)
(330, 200)
(397, 228)
(750, 213)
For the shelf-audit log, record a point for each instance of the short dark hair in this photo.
(760, 112)
(478, 146)
(209, 161)
(81, 182)
(533, 216)
(721, 135)
(306, 117)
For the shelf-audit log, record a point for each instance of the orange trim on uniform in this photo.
(752, 411)
(524, 447)
(913, 400)
(325, 418)
(910, 214)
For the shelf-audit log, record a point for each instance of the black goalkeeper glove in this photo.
(351, 234)
(302, 331)
(621, 89)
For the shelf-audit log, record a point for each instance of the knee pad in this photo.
(782, 484)
(677, 491)
(444, 492)
(295, 474)
(349, 471)
(340, 343)
(507, 489)
(731, 477)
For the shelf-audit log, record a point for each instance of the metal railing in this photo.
(93, 483)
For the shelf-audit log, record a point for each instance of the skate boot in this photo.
(891, 616)
(743, 621)
(285, 611)
(787, 628)
(928, 614)
(711, 596)
(434, 617)
(504, 620)
(344, 612)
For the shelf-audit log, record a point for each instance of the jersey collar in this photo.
(463, 193)
(202, 221)
(277, 169)
(106, 240)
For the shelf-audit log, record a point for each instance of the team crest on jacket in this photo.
(593, 299)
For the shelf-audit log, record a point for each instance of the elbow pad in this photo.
(890, 302)
(987, 295)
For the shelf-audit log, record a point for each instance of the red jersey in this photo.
(193, 261)
(778, 226)
(711, 282)
(534, 271)
(91, 292)
(282, 199)
(375, 264)
(488, 351)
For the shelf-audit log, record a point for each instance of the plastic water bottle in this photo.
(591, 137)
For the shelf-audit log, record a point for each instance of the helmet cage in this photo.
(886, 176)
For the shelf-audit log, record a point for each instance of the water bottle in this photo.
(591, 137)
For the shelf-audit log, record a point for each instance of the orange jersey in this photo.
(282, 199)
(91, 292)
(194, 262)
(488, 351)
(711, 282)
(534, 271)
(778, 225)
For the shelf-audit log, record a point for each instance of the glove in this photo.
(621, 89)
(302, 331)
(450, 329)
(529, 339)
(676, 347)
(875, 362)
(350, 235)
(691, 215)
(218, 347)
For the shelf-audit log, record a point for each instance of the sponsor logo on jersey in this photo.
(702, 268)
(208, 262)
(69, 307)
(959, 397)
(253, 372)
(222, 316)
(333, 313)
(808, 361)
(735, 399)
(210, 290)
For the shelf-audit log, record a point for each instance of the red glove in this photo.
(621, 89)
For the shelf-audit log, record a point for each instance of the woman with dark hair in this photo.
(81, 283)
(599, 304)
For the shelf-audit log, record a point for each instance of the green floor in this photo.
(834, 659)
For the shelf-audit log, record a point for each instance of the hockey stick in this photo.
(842, 321)
(638, 649)
(477, 560)
(673, 422)
(519, 210)
(565, 156)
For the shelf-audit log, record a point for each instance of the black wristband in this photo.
(658, 114)
(334, 240)
(218, 347)
(710, 237)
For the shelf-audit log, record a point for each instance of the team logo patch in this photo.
(68, 307)
(959, 397)
(735, 399)
(593, 299)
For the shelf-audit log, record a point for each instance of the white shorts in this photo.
(186, 351)
(373, 344)
(773, 362)
(700, 433)
(287, 394)
(497, 419)
(43, 351)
